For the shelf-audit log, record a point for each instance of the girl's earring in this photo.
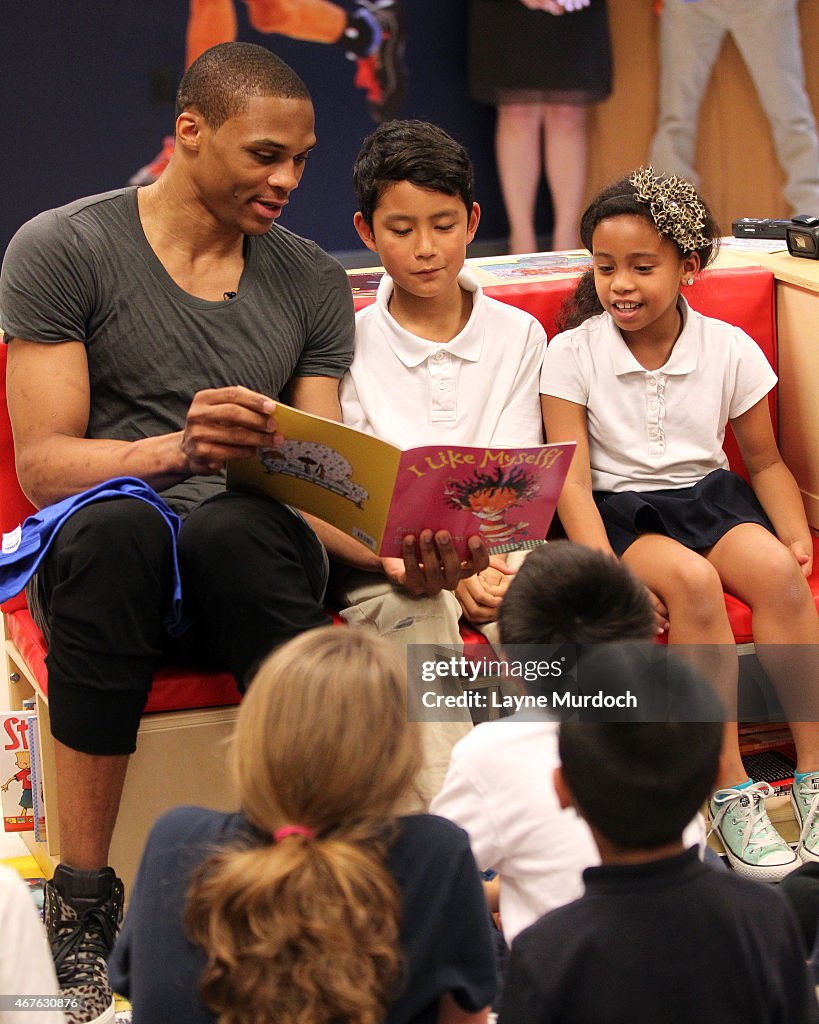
(689, 281)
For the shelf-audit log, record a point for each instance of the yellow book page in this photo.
(339, 474)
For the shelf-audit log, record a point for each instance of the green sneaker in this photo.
(753, 846)
(805, 801)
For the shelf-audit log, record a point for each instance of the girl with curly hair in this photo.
(317, 902)
(646, 386)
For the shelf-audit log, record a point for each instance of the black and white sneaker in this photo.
(381, 70)
(83, 912)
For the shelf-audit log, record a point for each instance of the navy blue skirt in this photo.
(695, 516)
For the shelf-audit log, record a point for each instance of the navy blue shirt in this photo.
(666, 942)
(445, 928)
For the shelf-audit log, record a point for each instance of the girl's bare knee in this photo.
(694, 585)
(780, 583)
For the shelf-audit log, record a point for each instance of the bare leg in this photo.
(691, 589)
(88, 803)
(785, 623)
(209, 22)
(318, 21)
(517, 152)
(566, 159)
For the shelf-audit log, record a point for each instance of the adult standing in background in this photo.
(541, 63)
(767, 36)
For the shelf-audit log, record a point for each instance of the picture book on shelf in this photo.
(377, 493)
(17, 779)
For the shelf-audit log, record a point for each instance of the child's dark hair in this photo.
(640, 783)
(669, 204)
(414, 151)
(566, 593)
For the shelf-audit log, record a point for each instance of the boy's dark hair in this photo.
(414, 151)
(640, 783)
(566, 593)
(617, 199)
(219, 82)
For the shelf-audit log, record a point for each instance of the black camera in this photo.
(759, 227)
(802, 236)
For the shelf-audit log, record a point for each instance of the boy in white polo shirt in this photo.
(436, 361)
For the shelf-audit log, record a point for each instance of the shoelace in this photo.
(759, 832)
(806, 792)
(82, 943)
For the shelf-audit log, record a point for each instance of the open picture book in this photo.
(378, 493)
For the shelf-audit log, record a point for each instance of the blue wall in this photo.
(78, 117)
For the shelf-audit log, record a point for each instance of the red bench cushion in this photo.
(744, 297)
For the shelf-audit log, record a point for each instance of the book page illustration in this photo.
(489, 496)
(339, 474)
(319, 463)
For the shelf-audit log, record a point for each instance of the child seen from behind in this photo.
(658, 935)
(316, 901)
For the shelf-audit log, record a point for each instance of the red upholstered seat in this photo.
(743, 296)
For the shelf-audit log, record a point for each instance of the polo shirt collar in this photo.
(683, 357)
(647, 876)
(412, 350)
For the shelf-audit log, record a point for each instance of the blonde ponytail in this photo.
(306, 930)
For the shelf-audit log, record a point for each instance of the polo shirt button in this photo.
(442, 385)
(653, 406)
(438, 356)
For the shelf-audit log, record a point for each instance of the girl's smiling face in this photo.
(637, 275)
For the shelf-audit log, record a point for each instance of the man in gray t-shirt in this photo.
(150, 332)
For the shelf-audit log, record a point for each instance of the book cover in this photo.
(378, 493)
(16, 795)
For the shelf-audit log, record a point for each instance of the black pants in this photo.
(253, 576)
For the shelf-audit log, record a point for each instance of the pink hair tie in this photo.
(293, 830)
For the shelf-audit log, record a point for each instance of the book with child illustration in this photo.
(17, 779)
(378, 494)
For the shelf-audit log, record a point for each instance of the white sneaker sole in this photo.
(760, 872)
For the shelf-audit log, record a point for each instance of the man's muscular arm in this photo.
(49, 403)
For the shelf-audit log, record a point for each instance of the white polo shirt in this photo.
(480, 388)
(656, 429)
(499, 788)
